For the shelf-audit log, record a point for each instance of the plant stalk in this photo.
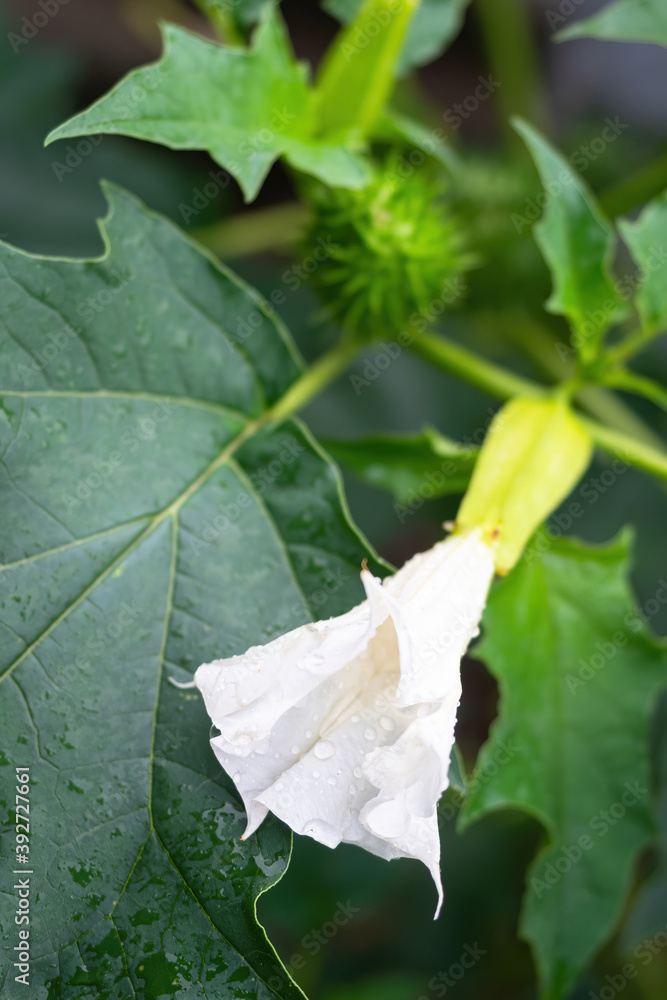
(316, 378)
(510, 44)
(498, 382)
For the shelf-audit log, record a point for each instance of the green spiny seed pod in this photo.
(394, 252)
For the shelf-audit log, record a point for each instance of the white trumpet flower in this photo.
(344, 728)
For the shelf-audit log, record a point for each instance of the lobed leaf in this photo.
(578, 245)
(246, 107)
(579, 675)
(153, 518)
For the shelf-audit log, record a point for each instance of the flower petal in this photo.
(436, 601)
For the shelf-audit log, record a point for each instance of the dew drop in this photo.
(316, 774)
(316, 717)
(358, 773)
(277, 755)
(352, 789)
(332, 781)
(236, 777)
(280, 786)
(355, 718)
(324, 749)
(369, 734)
(387, 723)
(294, 749)
(309, 733)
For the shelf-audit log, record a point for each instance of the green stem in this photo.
(540, 345)
(628, 449)
(512, 55)
(484, 375)
(276, 228)
(497, 381)
(644, 184)
(630, 346)
(316, 378)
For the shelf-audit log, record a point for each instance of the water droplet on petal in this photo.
(369, 734)
(387, 723)
(316, 774)
(309, 733)
(355, 718)
(294, 749)
(358, 773)
(280, 786)
(352, 789)
(324, 749)
(332, 781)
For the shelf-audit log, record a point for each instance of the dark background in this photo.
(350, 926)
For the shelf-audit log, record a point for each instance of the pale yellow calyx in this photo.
(534, 454)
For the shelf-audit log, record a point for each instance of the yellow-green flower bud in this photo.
(534, 454)
(357, 74)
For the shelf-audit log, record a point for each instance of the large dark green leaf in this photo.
(578, 675)
(153, 518)
(623, 21)
(436, 24)
(578, 245)
(246, 107)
